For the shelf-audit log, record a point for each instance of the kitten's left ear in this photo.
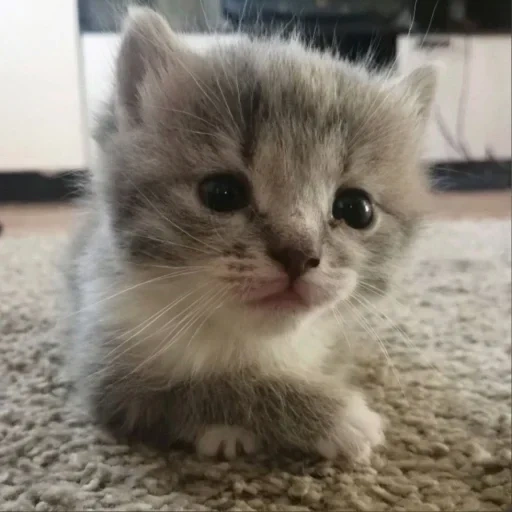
(148, 44)
(422, 85)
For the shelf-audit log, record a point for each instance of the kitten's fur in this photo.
(211, 370)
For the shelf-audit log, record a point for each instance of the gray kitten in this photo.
(247, 195)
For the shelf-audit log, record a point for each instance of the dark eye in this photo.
(224, 193)
(353, 206)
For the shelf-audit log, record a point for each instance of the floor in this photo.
(25, 219)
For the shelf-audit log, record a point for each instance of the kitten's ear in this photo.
(422, 85)
(147, 45)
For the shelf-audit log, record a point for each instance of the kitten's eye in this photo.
(224, 193)
(353, 206)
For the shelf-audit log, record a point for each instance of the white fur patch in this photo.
(226, 441)
(172, 345)
(358, 431)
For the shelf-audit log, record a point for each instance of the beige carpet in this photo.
(448, 444)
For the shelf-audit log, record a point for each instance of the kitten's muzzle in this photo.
(286, 288)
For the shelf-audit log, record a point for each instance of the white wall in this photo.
(474, 88)
(41, 103)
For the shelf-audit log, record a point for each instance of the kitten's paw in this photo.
(357, 431)
(225, 441)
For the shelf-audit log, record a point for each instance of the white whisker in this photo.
(371, 331)
(370, 307)
(174, 244)
(342, 324)
(221, 301)
(413, 19)
(429, 24)
(168, 341)
(150, 321)
(131, 288)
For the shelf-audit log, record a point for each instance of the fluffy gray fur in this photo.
(163, 346)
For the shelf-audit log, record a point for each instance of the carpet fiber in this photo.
(449, 435)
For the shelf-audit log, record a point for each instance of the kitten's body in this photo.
(166, 346)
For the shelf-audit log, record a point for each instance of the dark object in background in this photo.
(21, 187)
(355, 15)
(363, 16)
(473, 16)
(468, 176)
(351, 27)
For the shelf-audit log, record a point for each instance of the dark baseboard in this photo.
(35, 187)
(472, 176)
(23, 187)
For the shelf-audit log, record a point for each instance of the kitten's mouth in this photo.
(275, 295)
(288, 299)
(281, 295)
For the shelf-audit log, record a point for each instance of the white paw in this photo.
(225, 441)
(357, 432)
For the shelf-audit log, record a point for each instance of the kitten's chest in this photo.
(178, 346)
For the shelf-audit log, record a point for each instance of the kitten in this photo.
(246, 196)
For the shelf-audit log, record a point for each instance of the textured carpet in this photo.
(448, 443)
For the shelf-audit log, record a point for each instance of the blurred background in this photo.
(56, 61)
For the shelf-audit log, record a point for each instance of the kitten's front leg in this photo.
(181, 413)
(356, 431)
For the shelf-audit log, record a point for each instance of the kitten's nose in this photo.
(295, 262)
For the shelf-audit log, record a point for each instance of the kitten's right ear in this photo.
(422, 84)
(148, 44)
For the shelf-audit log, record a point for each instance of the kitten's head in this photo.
(288, 179)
